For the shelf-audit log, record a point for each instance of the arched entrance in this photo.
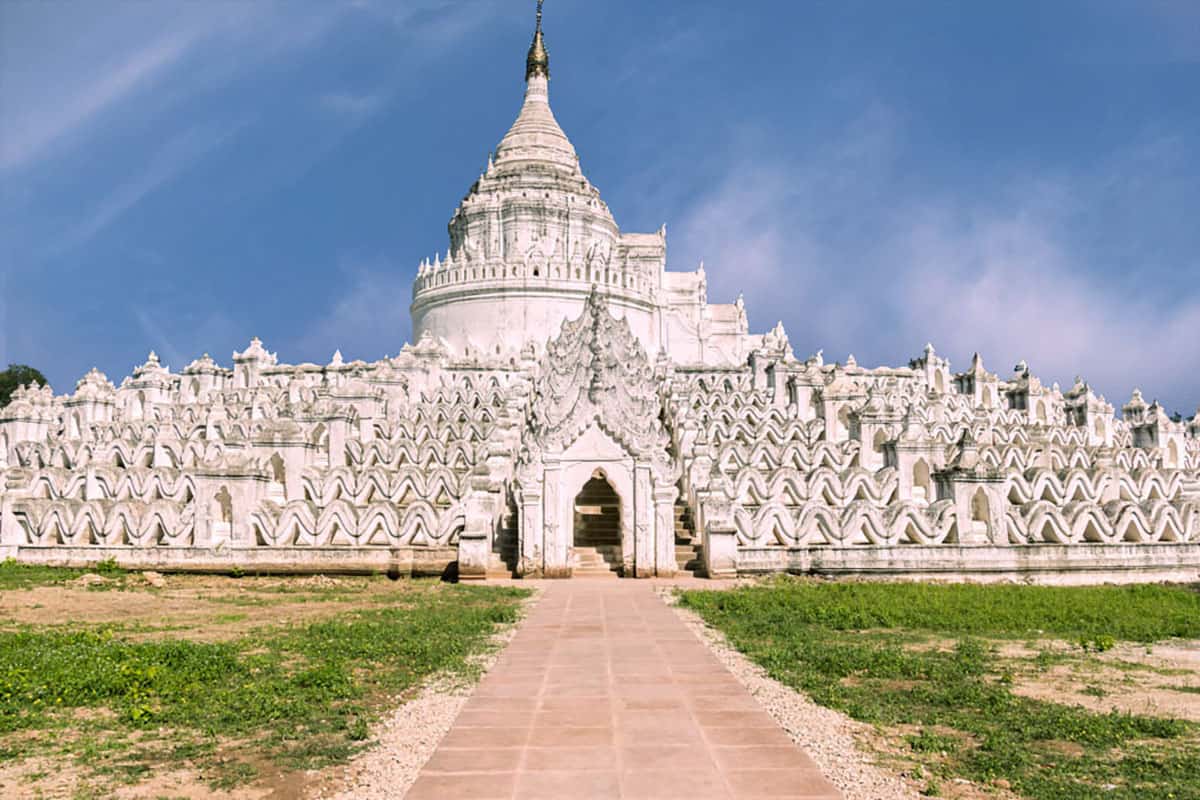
(595, 479)
(596, 544)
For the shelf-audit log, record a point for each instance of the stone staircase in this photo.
(503, 563)
(597, 551)
(596, 562)
(688, 547)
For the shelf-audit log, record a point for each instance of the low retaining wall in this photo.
(402, 561)
(1040, 563)
(1043, 563)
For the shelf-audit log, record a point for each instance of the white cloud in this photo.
(1009, 286)
(851, 264)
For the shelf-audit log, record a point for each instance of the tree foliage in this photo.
(18, 375)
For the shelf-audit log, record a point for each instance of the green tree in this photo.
(18, 375)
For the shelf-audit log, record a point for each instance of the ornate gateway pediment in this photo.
(596, 372)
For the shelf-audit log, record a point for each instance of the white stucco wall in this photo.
(500, 320)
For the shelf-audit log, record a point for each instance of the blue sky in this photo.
(1020, 178)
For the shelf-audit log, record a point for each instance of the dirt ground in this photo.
(52, 779)
(193, 607)
(1161, 680)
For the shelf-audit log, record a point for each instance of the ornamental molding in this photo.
(596, 372)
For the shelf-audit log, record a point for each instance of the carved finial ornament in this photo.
(538, 62)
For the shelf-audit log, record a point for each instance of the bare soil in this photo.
(1137, 679)
(197, 608)
(191, 607)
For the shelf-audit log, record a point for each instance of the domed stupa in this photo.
(533, 237)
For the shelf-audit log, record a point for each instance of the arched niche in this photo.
(921, 481)
(1173, 460)
(981, 512)
(220, 514)
(277, 490)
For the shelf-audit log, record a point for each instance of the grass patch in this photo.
(1102, 614)
(848, 646)
(298, 696)
(14, 575)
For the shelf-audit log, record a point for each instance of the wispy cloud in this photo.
(189, 335)
(162, 342)
(62, 78)
(172, 159)
(435, 22)
(348, 104)
(30, 131)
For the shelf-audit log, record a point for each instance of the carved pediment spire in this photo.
(597, 372)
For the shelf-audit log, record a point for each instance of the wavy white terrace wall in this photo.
(786, 465)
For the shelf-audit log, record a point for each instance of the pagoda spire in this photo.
(538, 61)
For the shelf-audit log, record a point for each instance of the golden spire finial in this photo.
(538, 62)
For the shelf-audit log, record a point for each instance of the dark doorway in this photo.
(597, 544)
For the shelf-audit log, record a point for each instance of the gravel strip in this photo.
(407, 738)
(830, 738)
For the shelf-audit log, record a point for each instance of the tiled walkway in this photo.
(604, 694)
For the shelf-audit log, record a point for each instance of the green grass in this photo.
(15, 576)
(850, 647)
(297, 696)
(1145, 613)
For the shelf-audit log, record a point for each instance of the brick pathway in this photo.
(604, 694)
